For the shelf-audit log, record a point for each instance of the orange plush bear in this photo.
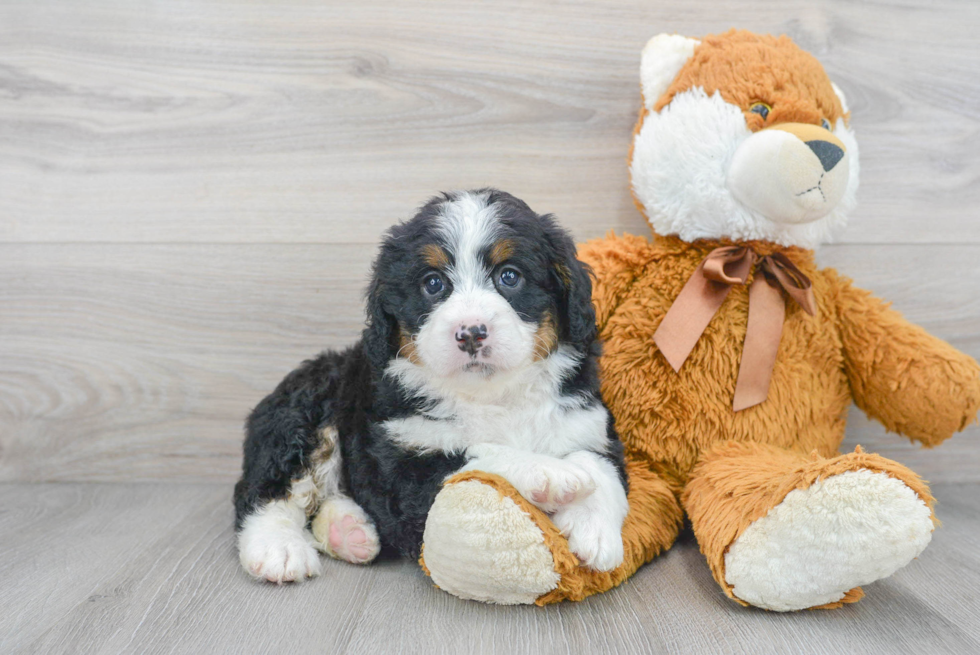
(730, 359)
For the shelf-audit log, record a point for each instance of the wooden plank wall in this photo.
(190, 192)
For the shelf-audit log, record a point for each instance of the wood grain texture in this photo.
(310, 121)
(139, 362)
(126, 568)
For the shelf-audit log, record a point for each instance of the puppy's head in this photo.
(477, 284)
(742, 136)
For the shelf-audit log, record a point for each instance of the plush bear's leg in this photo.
(483, 541)
(786, 531)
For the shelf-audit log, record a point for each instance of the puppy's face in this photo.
(477, 284)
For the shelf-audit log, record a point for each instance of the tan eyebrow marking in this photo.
(435, 256)
(501, 251)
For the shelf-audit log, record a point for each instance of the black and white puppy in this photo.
(480, 352)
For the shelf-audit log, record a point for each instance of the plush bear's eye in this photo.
(762, 109)
(825, 123)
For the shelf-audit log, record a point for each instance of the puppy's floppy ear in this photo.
(381, 334)
(574, 284)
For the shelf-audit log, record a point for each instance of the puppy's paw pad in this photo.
(349, 536)
(540, 495)
(571, 495)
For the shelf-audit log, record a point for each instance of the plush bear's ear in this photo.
(840, 96)
(663, 58)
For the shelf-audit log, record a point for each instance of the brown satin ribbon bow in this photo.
(703, 295)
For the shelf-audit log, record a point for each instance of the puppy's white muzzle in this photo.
(790, 173)
(474, 331)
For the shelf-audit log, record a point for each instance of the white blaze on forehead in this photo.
(468, 224)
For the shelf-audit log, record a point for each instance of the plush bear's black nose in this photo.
(471, 338)
(826, 152)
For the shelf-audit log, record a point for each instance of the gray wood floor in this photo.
(151, 568)
(191, 192)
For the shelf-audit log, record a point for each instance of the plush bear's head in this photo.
(742, 137)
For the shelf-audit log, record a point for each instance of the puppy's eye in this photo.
(432, 284)
(762, 109)
(510, 278)
(825, 124)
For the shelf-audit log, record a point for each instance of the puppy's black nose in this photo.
(827, 153)
(470, 339)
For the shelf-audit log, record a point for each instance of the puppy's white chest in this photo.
(543, 427)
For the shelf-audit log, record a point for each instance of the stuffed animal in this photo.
(730, 358)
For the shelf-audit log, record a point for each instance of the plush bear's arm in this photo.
(900, 374)
(616, 263)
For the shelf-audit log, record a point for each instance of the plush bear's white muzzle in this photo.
(790, 173)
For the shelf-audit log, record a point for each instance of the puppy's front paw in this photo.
(556, 483)
(282, 556)
(595, 540)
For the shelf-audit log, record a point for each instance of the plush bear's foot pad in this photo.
(818, 543)
(343, 531)
(480, 545)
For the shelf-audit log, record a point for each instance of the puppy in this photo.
(480, 352)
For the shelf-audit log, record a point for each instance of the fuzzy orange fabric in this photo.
(736, 483)
(746, 68)
(855, 346)
(854, 349)
(682, 424)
